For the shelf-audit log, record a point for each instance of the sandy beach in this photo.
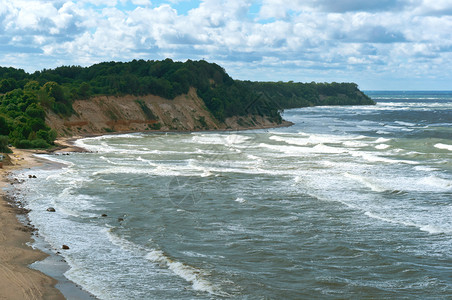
(17, 280)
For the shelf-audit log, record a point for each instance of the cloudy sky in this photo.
(379, 44)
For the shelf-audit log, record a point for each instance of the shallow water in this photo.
(350, 202)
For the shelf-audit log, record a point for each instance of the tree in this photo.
(4, 130)
(4, 144)
(84, 90)
(31, 85)
(7, 85)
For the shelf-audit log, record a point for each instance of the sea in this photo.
(351, 202)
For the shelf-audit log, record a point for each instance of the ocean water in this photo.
(350, 202)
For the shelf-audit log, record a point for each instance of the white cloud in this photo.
(435, 7)
(100, 3)
(314, 37)
(142, 2)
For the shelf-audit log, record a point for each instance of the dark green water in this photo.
(350, 202)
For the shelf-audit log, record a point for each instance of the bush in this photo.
(146, 110)
(155, 126)
(24, 144)
(202, 121)
(4, 144)
(39, 143)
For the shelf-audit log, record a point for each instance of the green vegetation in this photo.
(146, 110)
(296, 94)
(4, 144)
(202, 121)
(155, 126)
(22, 115)
(25, 98)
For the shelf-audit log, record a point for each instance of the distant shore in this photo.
(66, 144)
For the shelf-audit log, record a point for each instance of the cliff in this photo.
(188, 112)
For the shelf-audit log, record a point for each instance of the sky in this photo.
(378, 44)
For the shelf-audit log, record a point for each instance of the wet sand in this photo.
(17, 280)
(22, 267)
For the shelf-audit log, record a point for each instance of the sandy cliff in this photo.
(188, 112)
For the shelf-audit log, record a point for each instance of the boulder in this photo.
(51, 209)
(65, 247)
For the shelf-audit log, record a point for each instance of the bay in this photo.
(350, 202)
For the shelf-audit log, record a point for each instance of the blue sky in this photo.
(379, 44)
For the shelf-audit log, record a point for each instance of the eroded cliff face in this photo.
(105, 114)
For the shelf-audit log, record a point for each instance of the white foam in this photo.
(354, 144)
(382, 132)
(382, 146)
(193, 275)
(101, 148)
(314, 139)
(55, 159)
(197, 254)
(298, 179)
(160, 170)
(255, 158)
(425, 168)
(236, 139)
(114, 136)
(373, 158)
(443, 146)
(296, 150)
(206, 173)
(432, 229)
(105, 148)
(382, 140)
(292, 141)
(240, 200)
(108, 160)
(290, 150)
(436, 182)
(149, 162)
(388, 220)
(219, 139)
(405, 123)
(320, 148)
(366, 181)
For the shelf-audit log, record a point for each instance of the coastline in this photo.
(27, 272)
(17, 280)
(29, 269)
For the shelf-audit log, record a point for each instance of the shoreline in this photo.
(66, 143)
(29, 268)
(17, 279)
(41, 269)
